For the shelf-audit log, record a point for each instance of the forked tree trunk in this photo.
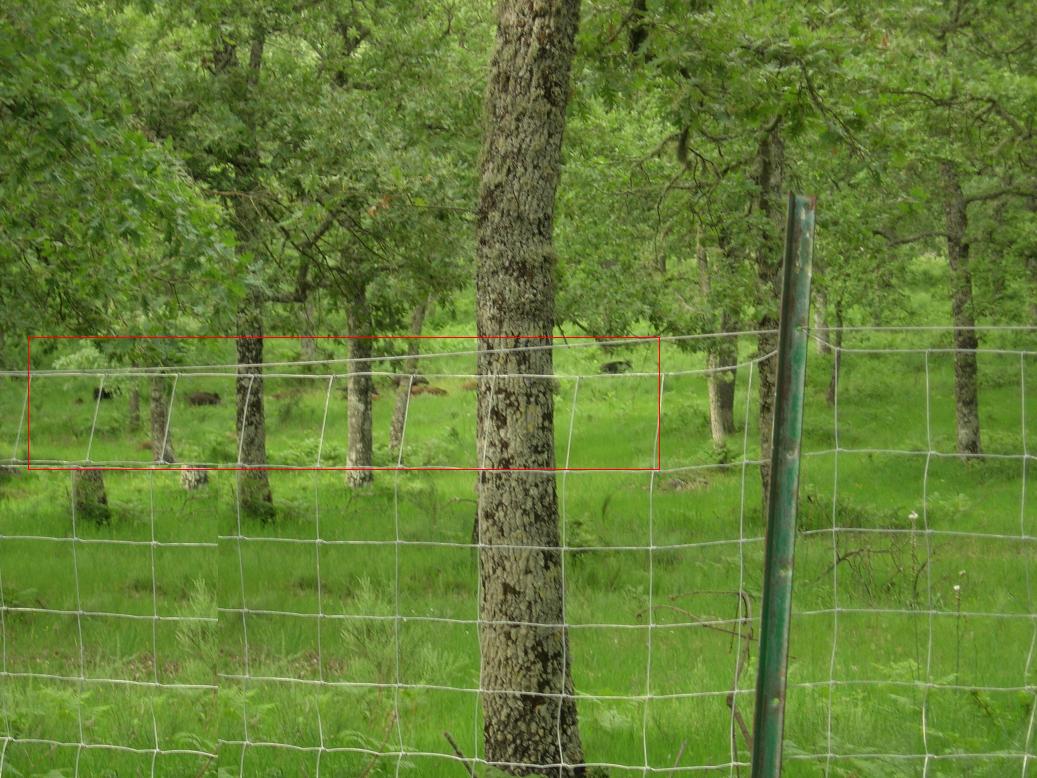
(966, 396)
(410, 366)
(161, 433)
(250, 417)
(359, 451)
(89, 499)
(529, 715)
(770, 177)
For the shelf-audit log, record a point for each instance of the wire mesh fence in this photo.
(183, 636)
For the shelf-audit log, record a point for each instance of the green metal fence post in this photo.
(769, 716)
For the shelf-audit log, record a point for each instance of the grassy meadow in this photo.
(202, 642)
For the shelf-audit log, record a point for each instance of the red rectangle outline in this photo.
(658, 420)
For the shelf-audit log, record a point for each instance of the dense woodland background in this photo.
(311, 167)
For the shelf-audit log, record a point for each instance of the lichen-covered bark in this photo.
(966, 396)
(770, 181)
(250, 416)
(360, 390)
(89, 499)
(410, 366)
(161, 434)
(529, 715)
(720, 353)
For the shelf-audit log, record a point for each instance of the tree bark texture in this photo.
(360, 389)
(966, 396)
(410, 367)
(250, 417)
(770, 182)
(529, 721)
(161, 396)
(89, 499)
(821, 330)
(720, 352)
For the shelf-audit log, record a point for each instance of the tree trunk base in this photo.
(89, 499)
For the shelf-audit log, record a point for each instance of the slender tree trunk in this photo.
(161, 433)
(250, 417)
(821, 331)
(966, 396)
(837, 360)
(529, 715)
(307, 346)
(720, 352)
(134, 410)
(770, 179)
(89, 499)
(360, 390)
(410, 366)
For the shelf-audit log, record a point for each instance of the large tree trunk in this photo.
(966, 398)
(720, 352)
(529, 715)
(250, 417)
(89, 499)
(161, 435)
(410, 366)
(360, 390)
(770, 179)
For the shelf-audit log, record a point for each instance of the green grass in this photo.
(867, 607)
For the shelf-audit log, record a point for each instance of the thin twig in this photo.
(680, 753)
(204, 767)
(385, 739)
(460, 753)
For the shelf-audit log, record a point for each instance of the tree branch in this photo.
(900, 240)
(1008, 191)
